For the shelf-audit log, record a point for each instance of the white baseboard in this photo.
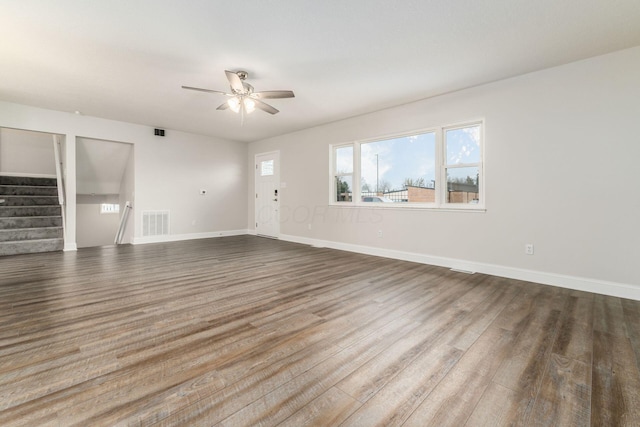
(189, 236)
(70, 247)
(615, 289)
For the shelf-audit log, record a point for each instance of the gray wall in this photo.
(28, 153)
(561, 172)
(170, 171)
(94, 228)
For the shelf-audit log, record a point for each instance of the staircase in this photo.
(30, 215)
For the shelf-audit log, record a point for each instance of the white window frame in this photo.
(334, 174)
(444, 166)
(441, 170)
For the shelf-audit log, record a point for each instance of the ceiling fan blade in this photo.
(273, 94)
(265, 107)
(223, 106)
(235, 82)
(204, 90)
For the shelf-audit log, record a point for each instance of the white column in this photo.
(70, 192)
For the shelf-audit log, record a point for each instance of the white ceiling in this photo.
(126, 59)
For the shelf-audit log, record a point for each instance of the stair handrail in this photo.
(57, 153)
(123, 224)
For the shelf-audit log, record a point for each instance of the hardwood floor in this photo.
(249, 331)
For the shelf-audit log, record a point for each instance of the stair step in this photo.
(14, 234)
(13, 211)
(28, 200)
(30, 222)
(30, 215)
(27, 180)
(31, 246)
(28, 190)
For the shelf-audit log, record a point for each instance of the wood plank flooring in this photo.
(246, 331)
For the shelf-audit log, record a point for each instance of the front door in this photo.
(267, 197)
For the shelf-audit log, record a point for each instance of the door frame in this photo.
(276, 173)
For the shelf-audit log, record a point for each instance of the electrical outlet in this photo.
(309, 226)
(528, 249)
(380, 234)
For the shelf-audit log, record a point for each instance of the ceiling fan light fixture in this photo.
(234, 104)
(249, 105)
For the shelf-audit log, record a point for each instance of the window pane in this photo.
(399, 170)
(109, 208)
(462, 185)
(463, 145)
(344, 188)
(266, 168)
(344, 160)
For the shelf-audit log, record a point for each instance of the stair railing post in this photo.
(57, 152)
(123, 224)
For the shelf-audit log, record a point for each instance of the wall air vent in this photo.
(155, 223)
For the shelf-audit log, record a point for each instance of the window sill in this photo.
(413, 206)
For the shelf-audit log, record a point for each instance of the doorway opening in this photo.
(104, 184)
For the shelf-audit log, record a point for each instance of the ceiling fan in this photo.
(242, 98)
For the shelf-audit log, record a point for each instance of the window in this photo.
(266, 168)
(343, 175)
(462, 164)
(435, 168)
(398, 170)
(109, 208)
